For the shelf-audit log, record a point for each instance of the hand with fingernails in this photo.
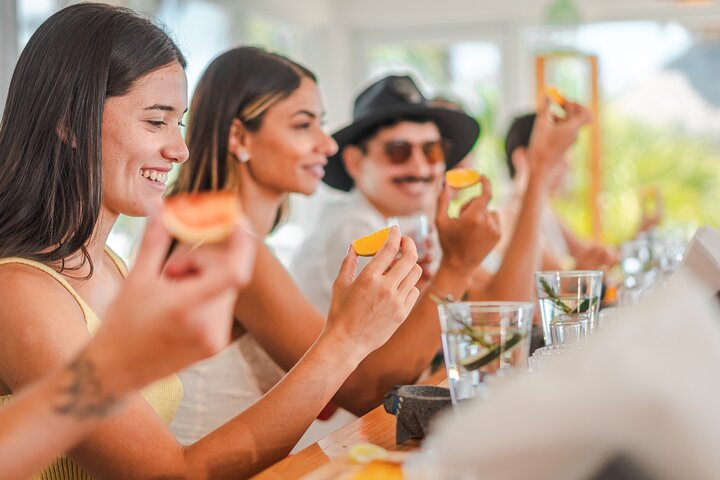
(369, 307)
(553, 136)
(468, 239)
(170, 315)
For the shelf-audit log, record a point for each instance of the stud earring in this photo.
(244, 157)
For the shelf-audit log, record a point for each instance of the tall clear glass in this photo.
(569, 304)
(481, 339)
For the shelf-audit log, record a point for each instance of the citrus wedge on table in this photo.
(556, 96)
(459, 178)
(369, 245)
(379, 471)
(367, 452)
(195, 218)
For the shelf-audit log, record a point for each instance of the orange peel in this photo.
(369, 245)
(206, 217)
(459, 178)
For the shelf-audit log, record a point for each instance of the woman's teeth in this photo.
(154, 175)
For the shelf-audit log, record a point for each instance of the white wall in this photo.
(336, 34)
(8, 45)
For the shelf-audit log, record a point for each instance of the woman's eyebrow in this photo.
(305, 112)
(164, 108)
(310, 114)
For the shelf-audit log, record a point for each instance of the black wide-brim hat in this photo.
(399, 97)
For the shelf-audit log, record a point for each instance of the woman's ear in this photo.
(239, 141)
(352, 158)
(520, 159)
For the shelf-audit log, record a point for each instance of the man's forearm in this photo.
(514, 280)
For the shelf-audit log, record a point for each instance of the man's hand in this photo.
(467, 240)
(552, 137)
(596, 257)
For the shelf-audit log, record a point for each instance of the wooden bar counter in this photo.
(328, 457)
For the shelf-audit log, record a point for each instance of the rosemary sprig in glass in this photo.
(584, 306)
(492, 352)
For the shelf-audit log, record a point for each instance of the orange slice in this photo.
(367, 452)
(369, 245)
(556, 96)
(379, 471)
(195, 218)
(459, 178)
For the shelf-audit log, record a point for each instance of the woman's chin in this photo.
(305, 188)
(144, 210)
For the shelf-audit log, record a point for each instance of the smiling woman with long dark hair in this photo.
(90, 131)
(53, 116)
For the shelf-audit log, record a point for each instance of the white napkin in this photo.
(702, 256)
(646, 386)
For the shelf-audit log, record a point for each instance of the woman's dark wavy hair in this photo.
(241, 83)
(50, 135)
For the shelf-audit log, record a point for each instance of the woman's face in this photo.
(289, 151)
(141, 141)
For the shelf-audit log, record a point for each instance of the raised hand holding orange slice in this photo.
(369, 245)
(556, 96)
(206, 217)
(465, 184)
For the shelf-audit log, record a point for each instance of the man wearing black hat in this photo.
(413, 142)
(391, 160)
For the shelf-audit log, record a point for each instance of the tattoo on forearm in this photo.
(84, 397)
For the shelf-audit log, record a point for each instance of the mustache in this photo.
(412, 179)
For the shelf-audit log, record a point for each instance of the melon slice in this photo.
(369, 245)
(459, 178)
(206, 217)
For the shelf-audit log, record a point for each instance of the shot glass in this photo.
(569, 304)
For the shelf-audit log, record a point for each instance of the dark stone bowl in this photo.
(414, 406)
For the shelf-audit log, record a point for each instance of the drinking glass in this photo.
(647, 263)
(641, 262)
(569, 304)
(419, 228)
(482, 339)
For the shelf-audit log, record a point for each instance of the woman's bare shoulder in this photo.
(24, 285)
(42, 324)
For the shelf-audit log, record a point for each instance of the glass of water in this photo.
(569, 304)
(481, 339)
(420, 229)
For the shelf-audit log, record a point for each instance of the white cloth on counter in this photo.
(646, 386)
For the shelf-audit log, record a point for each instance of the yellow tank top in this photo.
(163, 396)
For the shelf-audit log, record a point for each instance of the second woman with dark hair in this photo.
(255, 128)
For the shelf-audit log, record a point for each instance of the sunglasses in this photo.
(400, 151)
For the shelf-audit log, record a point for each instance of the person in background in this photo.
(469, 160)
(91, 128)
(185, 306)
(561, 248)
(391, 160)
